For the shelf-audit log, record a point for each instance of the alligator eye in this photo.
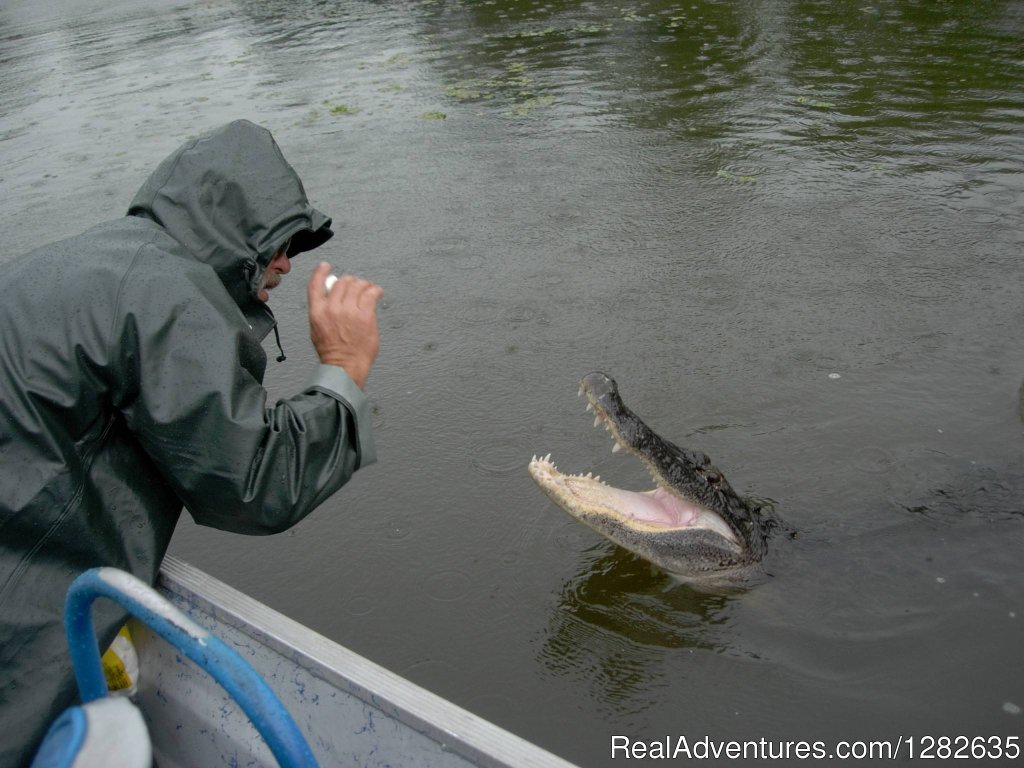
(713, 477)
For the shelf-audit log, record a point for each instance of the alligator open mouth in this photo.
(691, 522)
(657, 510)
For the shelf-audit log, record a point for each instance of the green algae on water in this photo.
(525, 107)
(730, 176)
(513, 87)
(807, 101)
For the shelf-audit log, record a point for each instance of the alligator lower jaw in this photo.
(654, 511)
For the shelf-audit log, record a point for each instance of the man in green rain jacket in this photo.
(130, 387)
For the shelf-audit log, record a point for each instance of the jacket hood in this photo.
(231, 200)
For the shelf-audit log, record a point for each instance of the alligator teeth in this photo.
(580, 393)
(616, 448)
(589, 407)
(597, 421)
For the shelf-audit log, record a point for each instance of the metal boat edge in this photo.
(351, 710)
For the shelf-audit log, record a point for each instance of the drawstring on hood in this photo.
(280, 358)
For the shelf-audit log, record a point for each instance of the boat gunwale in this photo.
(454, 728)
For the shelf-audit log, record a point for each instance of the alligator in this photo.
(692, 524)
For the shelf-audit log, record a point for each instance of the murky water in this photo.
(791, 230)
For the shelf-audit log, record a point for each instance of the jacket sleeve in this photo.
(202, 417)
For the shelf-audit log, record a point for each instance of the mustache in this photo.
(271, 279)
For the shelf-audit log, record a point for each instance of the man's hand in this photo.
(343, 323)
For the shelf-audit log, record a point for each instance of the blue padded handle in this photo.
(222, 663)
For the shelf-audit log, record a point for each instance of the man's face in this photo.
(278, 267)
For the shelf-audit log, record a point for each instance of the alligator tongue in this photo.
(656, 507)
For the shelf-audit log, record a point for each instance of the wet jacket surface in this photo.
(131, 370)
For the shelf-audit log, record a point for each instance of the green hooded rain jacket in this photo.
(130, 386)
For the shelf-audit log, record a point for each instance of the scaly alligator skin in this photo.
(692, 524)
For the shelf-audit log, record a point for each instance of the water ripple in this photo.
(447, 585)
(498, 455)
